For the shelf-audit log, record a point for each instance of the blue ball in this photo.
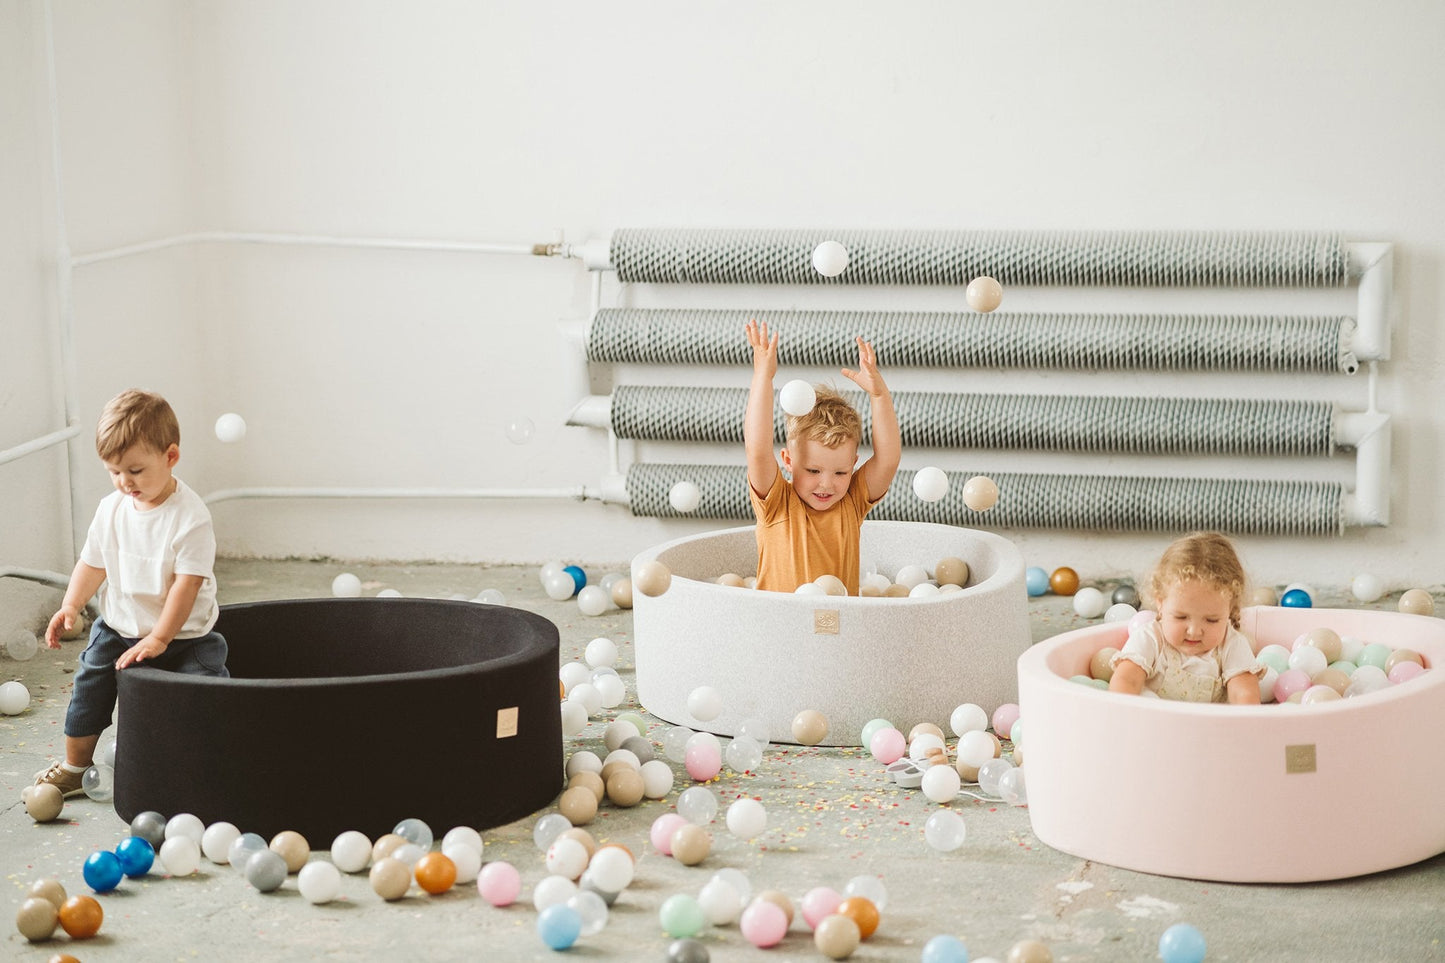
(1182, 943)
(102, 871)
(559, 926)
(945, 949)
(1296, 599)
(136, 856)
(579, 577)
(1036, 580)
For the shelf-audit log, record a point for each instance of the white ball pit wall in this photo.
(1248, 794)
(774, 654)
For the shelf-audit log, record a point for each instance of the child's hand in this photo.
(765, 349)
(61, 622)
(147, 648)
(867, 376)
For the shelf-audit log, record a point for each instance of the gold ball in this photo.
(1403, 655)
(1327, 641)
(652, 578)
(625, 787)
(983, 294)
(896, 591)
(951, 571)
(582, 836)
(1064, 581)
(810, 727)
(779, 899)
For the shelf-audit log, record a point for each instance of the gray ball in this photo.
(639, 747)
(687, 951)
(150, 826)
(266, 870)
(1126, 594)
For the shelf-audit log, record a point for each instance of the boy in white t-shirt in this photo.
(152, 545)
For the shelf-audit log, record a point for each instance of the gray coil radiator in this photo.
(1148, 426)
(1241, 506)
(947, 339)
(1121, 258)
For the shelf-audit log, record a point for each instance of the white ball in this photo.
(185, 824)
(180, 855)
(217, 839)
(351, 851)
(1090, 603)
(941, 783)
(911, 575)
(625, 756)
(230, 427)
(567, 857)
(584, 760)
(968, 718)
(389, 593)
(747, 818)
(719, 901)
(1309, 660)
(924, 741)
(319, 881)
(923, 590)
(684, 497)
(657, 778)
(975, 748)
(810, 588)
(930, 484)
(560, 586)
(612, 690)
(600, 652)
(594, 600)
(587, 694)
(831, 585)
(548, 570)
(14, 698)
(467, 860)
(611, 869)
(1120, 612)
(616, 732)
(797, 398)
(574, 718)
(983, 294)
(574, 674)
(830, 259)
(704, 703)
(553, 891)
(346, 586)
(1367, 588)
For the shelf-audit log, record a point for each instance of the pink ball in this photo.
(887, 745)
(1142, 618)
(1004, 718)
(703, 761)
(818, 902)
(1405, 671)
(763, 923)
(662, 829)
(1289, 682)
(499, 883)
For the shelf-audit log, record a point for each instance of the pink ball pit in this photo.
(1248, 794)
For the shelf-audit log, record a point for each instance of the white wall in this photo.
(512, 122)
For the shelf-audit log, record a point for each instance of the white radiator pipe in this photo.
(607, 491)
(39, 444)
(318, 240)
(1369, 433)
(1374, 265)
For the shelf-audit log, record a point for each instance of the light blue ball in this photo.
(559, 926)
(1181, 943)
(1296, 599)
(944, 949)
(1036, 580)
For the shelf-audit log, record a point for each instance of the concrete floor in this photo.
(832, 816)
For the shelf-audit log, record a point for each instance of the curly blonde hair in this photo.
(832, 422)
(1206, 557)
(136, 417)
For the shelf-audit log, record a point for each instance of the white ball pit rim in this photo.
(774, 654)
(1238, 793)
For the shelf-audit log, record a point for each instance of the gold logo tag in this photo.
(825, 622)
(507, 722)
(1299, 758)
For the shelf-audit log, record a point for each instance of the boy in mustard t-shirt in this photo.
(808, 525)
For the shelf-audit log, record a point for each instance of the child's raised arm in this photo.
(877, 471)
(758, 423)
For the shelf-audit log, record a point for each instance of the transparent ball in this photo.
(697, 805)
(743, 755)
(592, 909)
(415, 831)
(546, 830)
(105, 753)
(755, 729)
(704, 703)
(674, 743)
(945, 831)
(99, 783)
(989, 774)
(22, 645)
(870, 888)
(519, 430)
(1012, 788)
(491, 596)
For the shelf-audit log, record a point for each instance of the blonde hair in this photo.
(831, 423)
(1206, 557)
(132, 418)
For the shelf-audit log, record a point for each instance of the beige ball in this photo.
(625, 787)
(983, 294)
(1099, 666)
(731, 580)
(48, 889)
(779, 899)
(652, 578)
(1417, 602)
(869, 591)
(1264, 595)
(810, 727)
(588, 841)
(831, 585)
(1030, 951)
(691, 844)
(390, 878)
(385, 846)
(924, 727)
(1327, 641)
(837, 936)
(980, 493)
(36, 919)
(578, 804)
(77, 630)
(622, 593)
(951, 571)
(896, 591)
(591, 781)
(44, 803)
(292, 847)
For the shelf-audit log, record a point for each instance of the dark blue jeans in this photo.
(92, 703)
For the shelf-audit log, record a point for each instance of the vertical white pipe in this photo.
(1374, 264)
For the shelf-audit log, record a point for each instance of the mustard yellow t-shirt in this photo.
(797, 543)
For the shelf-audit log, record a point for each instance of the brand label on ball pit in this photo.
(825, 622)
(1299, 758)
(507, 722)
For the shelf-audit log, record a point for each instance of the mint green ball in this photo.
(1375, 654)
(1346, 667)
(872, 726)
(635, 719)
(681, 916)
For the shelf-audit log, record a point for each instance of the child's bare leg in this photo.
(80, 750)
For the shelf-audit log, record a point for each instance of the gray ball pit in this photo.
(773, 654)
(350, 714)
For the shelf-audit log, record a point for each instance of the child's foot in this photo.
(61, 778)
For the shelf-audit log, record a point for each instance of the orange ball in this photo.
(1064, 581)
(436, 873)
(80, 916)
(63, 958)
(860, 910)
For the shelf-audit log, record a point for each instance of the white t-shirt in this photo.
(1188, 678)
(143, 552)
